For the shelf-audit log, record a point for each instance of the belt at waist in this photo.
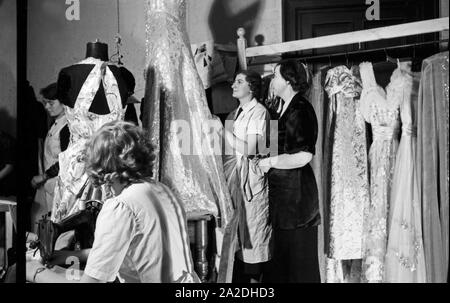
(384, 132)
(409, 130)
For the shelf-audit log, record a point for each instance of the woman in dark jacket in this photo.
(293, 196)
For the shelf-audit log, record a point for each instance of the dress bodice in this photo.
(381, 108)
(408, 106)
(83, 123)
(343, 80)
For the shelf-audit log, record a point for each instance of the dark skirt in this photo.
(293, 198)
(295, 257)
(243, 272)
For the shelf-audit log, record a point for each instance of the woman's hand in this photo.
(38, 180)
(264, 164)
(31, 267)
(60, 257)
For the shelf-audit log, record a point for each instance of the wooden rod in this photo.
(386, 32)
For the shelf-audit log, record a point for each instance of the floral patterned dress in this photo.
(72, 184)
(380, 108)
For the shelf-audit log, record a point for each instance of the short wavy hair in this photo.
(50, 92)
(296, 74)
(119, 150)
(254, 82)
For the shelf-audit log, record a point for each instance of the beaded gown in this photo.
(347, 171)
(175, 112)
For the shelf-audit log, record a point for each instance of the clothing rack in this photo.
(346, 54)
(380, 33)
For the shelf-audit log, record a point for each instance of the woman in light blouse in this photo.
(246, 132)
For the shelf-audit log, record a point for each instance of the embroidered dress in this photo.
(347, 173)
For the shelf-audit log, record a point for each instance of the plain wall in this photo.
(8, 66)
(218, 20)
(54, 42)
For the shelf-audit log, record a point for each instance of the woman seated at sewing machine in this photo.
(141, 233)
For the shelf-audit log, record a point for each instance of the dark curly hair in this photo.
(50, 92)
(254, 82)
(296, 74)
(119, 150)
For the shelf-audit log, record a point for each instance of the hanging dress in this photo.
(185, 134)
(405, 262)
(433, 164)
(317, 97)
(347, 170)
(72, 184)
(380, 108)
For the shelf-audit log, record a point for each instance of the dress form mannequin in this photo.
(97, 50)
(71, 79)
(94, 92)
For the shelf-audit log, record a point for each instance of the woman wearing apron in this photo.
(245, 135)
(56, 141)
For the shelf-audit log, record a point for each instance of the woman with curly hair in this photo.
(246, 131)
(141, 233)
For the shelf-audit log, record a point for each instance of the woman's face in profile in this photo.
(279, 84)
(53, 107)
(240, 87)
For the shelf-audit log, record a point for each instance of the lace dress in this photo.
(380, 108)
(405, 262)
(176, 114)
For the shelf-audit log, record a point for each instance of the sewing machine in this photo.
(82, 222)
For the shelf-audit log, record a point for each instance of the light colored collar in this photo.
(249, 106)
(61, 119)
